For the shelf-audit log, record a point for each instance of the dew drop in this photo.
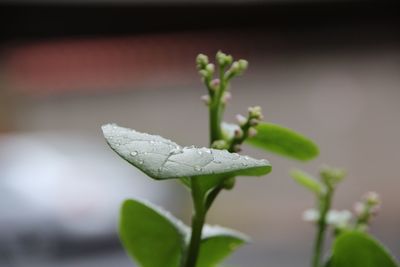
(152, 142)
(197, 168)
(217, 161)
(199, 152)
(134, 153)
(246, 157)
(141, 162)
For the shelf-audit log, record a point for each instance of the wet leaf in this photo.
(161, 158)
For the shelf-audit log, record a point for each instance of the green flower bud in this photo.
(201, 61)
(219, 144)
(252, 132)
(331, 176)
(220, 57)
(243, 65)
(214, 85)
(372, 199)
(210, 68)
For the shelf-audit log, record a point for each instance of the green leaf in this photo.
(357, 249)
(161, 158)
(283, 141)
(217, 243)
(307, 181)
(150, 235)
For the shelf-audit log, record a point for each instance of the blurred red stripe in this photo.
(58, 66)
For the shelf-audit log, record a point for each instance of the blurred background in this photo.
(329, 69)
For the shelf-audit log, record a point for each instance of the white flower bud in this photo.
(227, 96)
(242, 120)
(359, 208)
(338, 219)
(255, 112)
(206, 99)
(310, 215)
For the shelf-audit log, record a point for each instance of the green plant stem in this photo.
(215, 113)
(216, 110)
(198, 220)
(325, 205)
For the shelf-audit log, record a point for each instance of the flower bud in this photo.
(219, 144)
(359, 208)
(331, 176)
(252, 132)
(238, 133)
(203, 73)
(255, 112)
(201, 61)
(243, 64)
(372, 198)
(210, 68)
(254, 122)
(221, 58)
(206, 99)
(242, 120)
(226, 96)
(310, 215)
(214, 85)
(340, 219)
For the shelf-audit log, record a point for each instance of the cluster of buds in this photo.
(223, 59)
(236, 69)
(331, 177)
(366, 209)
(246, 127)
(206, 69)
(227, 70)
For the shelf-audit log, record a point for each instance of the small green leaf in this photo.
(217, 243)
(307, 181)
(161, 158)
(283, 141)
(150, 235)
(357, 249)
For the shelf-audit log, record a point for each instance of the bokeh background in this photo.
(329, 69)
